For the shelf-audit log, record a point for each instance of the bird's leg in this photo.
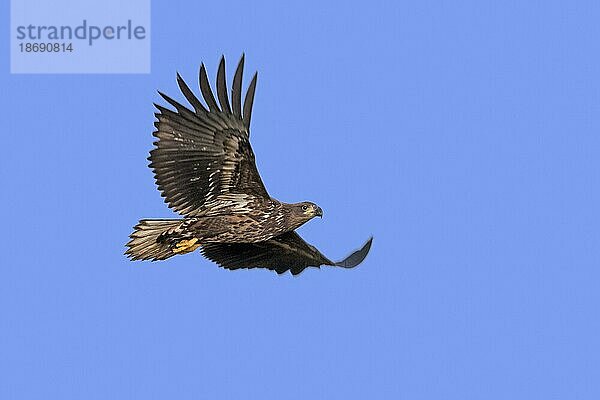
(186, 246)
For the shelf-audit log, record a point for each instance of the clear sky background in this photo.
(463, 135)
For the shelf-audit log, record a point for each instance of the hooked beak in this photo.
(319, 212)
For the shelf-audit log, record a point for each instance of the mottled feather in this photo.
(202, 154)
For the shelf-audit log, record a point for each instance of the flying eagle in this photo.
(204, 167)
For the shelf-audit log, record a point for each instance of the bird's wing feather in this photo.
(205, 153)
(282, 253)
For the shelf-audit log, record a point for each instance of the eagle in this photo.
(205, 169)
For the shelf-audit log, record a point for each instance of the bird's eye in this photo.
(304, 207)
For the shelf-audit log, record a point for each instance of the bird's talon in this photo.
(186, 246)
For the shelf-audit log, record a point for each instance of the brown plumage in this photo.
(204, 166)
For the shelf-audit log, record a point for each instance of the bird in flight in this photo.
(205, 169)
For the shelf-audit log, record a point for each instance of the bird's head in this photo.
(306, 210)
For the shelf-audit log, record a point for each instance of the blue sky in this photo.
(462, 135)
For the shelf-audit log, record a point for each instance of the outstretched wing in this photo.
(205, 154)
(282, 253)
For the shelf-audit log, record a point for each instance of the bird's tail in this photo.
(147, 239)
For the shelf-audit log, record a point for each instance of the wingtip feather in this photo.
(356, 257)
(249, 100)
(207, 93)
(236, 88)
(222, 87)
